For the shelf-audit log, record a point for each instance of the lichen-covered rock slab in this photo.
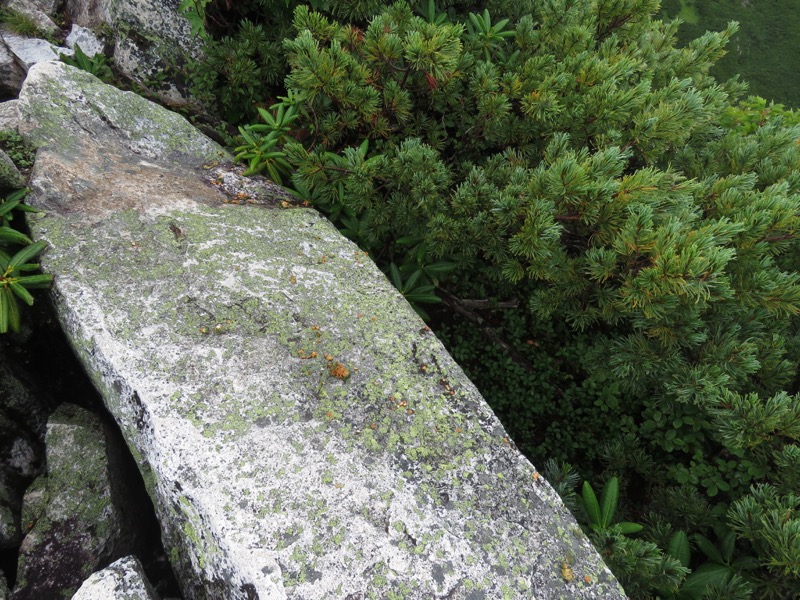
(121, 580)
(302, 433)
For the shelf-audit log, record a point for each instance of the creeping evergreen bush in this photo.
(604, 216)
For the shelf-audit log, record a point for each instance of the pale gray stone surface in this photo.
(9, 118)
(85, 38)
(121, 580)
(301, 433)
(29, 51)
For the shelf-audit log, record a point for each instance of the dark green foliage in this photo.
(612, 236)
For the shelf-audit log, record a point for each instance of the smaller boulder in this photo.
(122, 580)
(85, 38)
(75, 515)
(46, 6)
(30, 51)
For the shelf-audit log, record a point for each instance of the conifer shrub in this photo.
(617, 232)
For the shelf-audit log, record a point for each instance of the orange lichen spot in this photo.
(423, 368)
(459, 430)
(410, 411)
(203, 330)
(323, 259)
(373, 318)
(360, 315)
(536, 476)
(339, 371)
(328, 357)
(329, 414)
(373, 425)
(314, 328)
(425, 329)
(402, 404)
(285, 204)
(292, 279)
(587, 579)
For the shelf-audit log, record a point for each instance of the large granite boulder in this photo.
(301, 431)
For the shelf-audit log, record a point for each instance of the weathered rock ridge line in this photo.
(301, 433)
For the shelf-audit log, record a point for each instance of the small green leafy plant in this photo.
(263, 142)
(16, 278)
(718, 576)
(601, 514)
(97, 65)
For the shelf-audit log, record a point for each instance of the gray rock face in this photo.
(301, 432)
(85, 39)
(73, 514)
(149, 36)
(122, 580)
(11, 72)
